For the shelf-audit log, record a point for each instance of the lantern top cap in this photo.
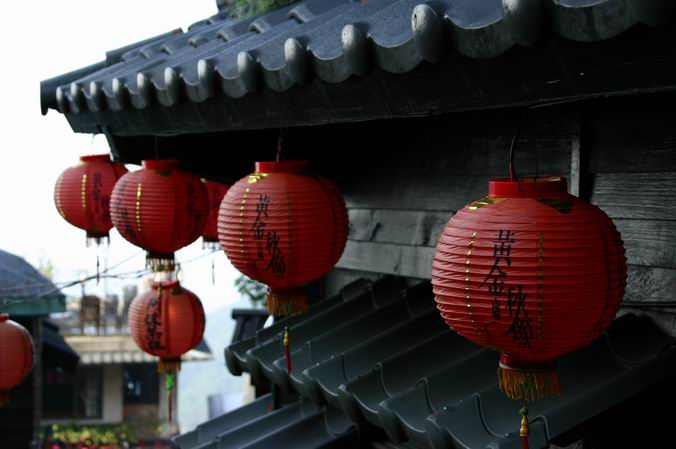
(281, 166)
(95, 157)
(160, 164)
(3, 317)
(528, 187)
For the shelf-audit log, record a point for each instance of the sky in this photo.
(40, 40)
(43, 39)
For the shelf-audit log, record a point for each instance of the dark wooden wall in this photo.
(409, 177)
(404, 178)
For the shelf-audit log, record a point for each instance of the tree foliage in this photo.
(94, 436)
(253, 290)
(247, 8)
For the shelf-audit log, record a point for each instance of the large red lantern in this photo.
(16, 356)
(283, 227)
(167, 321)
(159, 208)
(82, 194)
(215, 193)
(531, 272)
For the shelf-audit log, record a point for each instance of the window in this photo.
(141, 384)
(75, 395)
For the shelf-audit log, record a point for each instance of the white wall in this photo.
(112, 394)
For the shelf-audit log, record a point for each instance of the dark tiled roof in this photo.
(301, 424)
(380, 354)
(330, 40)
(24, 290)
(247, 322)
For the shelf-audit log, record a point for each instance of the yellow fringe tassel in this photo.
(278, 305)
(539, 384)
(4, 398)
(168, 365)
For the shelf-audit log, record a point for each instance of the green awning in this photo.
(26, 292)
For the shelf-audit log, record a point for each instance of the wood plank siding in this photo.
(401, 194)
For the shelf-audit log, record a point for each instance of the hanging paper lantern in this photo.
(167, 321)
(159, 208)
(215, 193)
(82, 194)
(16, 356)
(283, 226)
(531, 272)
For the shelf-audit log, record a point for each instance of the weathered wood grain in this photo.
(387, 258)
(432, 193)
(632, 135)
(406, 227)
(645, 283)
(636, 195)
(651, 284)
(649, 242)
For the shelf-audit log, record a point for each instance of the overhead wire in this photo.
(59, 286)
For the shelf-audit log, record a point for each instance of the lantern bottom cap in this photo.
(528, 379)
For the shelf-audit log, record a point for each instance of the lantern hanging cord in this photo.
(512, 150)
(157, 148)
(135, 274)
(280, 142)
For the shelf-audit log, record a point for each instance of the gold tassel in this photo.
(541, 383)
(523, 431)
(293, 302)
(524, 425)
(168, 365)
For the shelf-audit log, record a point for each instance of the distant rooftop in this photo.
(24, 291)
(116, 349)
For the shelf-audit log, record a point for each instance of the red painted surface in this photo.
(530, 271)
(168, 321)
(16, 353)
(82, 193)
(215, 193)
(159, 208)
(282, 225)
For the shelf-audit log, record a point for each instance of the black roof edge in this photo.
(114, 56)
(48, 87)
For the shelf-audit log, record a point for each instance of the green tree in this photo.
(256, 292)
(46, 267)
(248, 8)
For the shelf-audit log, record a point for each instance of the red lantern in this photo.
(284, 227)
(159, 208)
(531, 272)
(16, 356)
(167, 321)
(82, 194)
(215, 193)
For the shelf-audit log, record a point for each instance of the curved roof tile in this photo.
(331, 40)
